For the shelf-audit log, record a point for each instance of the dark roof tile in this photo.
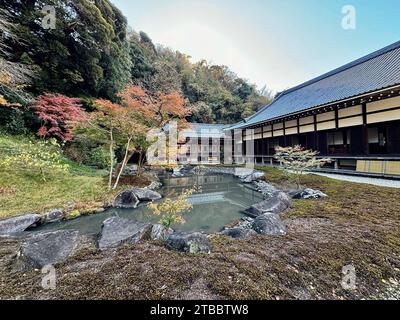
(375, 71)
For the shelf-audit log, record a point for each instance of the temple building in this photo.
(351, 114)
(202, 144)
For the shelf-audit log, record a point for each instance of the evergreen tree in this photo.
(87, 52)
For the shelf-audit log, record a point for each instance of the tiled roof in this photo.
(205, 130)
(373, 72)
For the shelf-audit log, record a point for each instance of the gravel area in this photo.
(374, 181)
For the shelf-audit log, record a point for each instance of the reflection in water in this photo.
(221, 201)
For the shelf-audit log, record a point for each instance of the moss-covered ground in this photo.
(357, 224)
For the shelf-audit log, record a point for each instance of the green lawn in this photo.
(24, 191)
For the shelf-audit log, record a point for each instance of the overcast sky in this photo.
(269, 42)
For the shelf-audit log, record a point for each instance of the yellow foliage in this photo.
(3, 101)
(5, 78)
(171, 210)
(39, 156)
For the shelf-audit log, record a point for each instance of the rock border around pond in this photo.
(18, 224)
(193, 243)
(54, 247)
(25, 221)
(116, 231)
(130, 199)
(49, 248)
(277, 203)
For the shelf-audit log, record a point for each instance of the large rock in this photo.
(55, 215)
(132, 170)
(265, 188)
(278, 203)
(47, 248)
(253, 177)
(217, 170)
(195, 242)
(243, 172)
(239, 233)
(177, 172)
(245, 223)
(203, 170)
(159, 232)
(146, 194)
(269, 224)
(155, 185)
(19, 224)
(116, 231)
(307, 194)
(126, 200)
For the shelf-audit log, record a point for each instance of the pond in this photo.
(221, 201)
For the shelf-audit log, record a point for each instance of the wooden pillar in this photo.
(365, 130)
(243, 144)
(232, 137)
(284, 133)
(337, 119)
(298, 125)
(262, 145)
(315, 132)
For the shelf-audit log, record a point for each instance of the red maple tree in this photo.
(58, 114)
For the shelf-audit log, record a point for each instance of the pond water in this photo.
(221, 201)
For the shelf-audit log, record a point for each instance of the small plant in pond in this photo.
(171, 209)
(73, 214)
(296, 160)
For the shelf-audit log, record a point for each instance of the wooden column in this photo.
(233, 145)
(365, 130)
(298, 125)
(337, 119)
(284, 132)
(262, 145)
(315, 132)
(243, 143)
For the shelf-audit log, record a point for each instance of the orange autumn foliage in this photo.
(137, 113)
(157, 110)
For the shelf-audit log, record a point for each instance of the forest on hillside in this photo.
(93, 53)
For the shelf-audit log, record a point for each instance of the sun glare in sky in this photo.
(274, 43)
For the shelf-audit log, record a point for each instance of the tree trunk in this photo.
(140, 163)
(111, 160)
(124, 162)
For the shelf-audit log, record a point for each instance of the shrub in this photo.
(296, 160)
(88, 153)
(73, 215)
(171, 210)
(38, 157)
(100, 158)
(15, 118)
(58, 114)
(12, 121)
